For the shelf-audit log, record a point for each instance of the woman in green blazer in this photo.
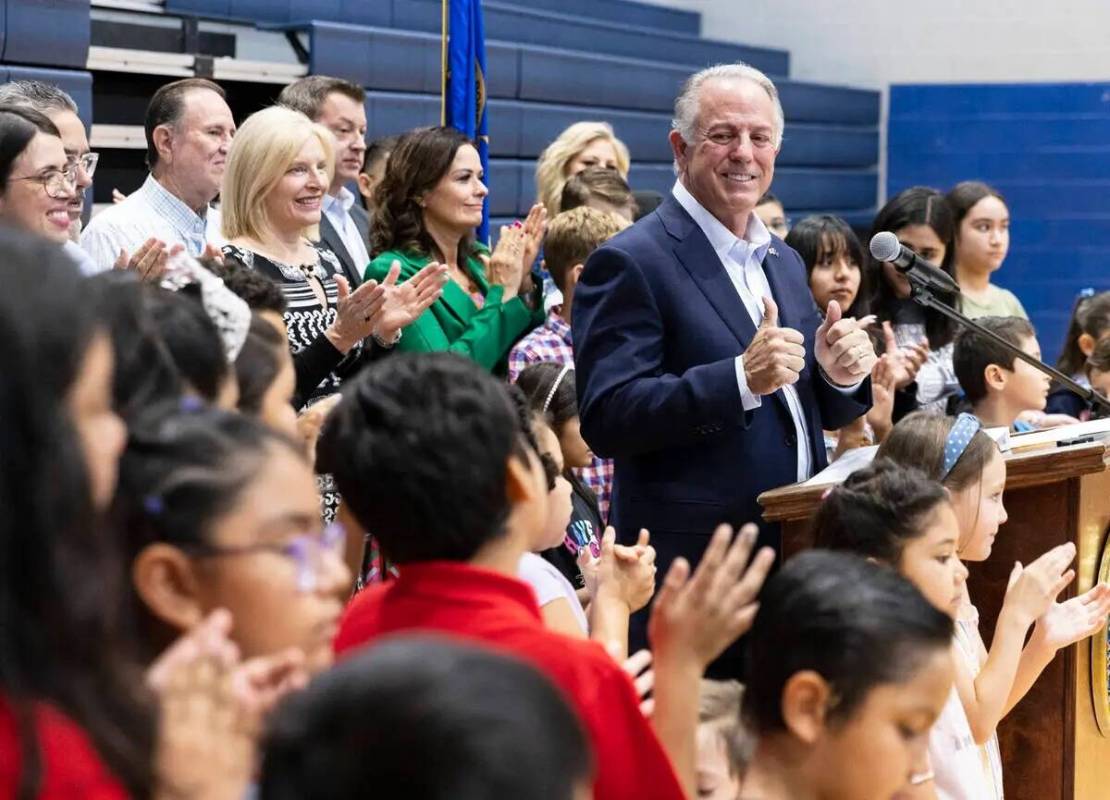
(427, 207)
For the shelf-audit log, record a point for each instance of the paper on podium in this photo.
(836, 472)
(1095, 429)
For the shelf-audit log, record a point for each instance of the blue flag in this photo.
(464, 82)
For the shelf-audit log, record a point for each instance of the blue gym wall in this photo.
(1047, 149)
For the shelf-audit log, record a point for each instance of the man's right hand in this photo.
(149, 261)
(776, 355)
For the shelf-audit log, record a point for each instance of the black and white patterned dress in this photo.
(320, 367)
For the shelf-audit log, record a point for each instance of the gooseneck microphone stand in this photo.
(922, 295)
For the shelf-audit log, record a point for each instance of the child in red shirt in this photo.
(431, 456)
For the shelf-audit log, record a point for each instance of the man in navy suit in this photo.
(704, 367)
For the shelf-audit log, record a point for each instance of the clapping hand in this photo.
(535, 226)
(905, 361)
(506, 262)
(883, 381)
(1073, 620)
(638, 667)
(404, 302)
(1033, 590)
(212, 708)
(843, 348)
(149, 261)
(622, 574)
(356, 313)
(694, 618)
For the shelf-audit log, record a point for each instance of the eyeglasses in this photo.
(59, 184)
(86, 162)
(307, 551)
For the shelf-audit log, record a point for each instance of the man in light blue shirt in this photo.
(188, 133)
(339, 106)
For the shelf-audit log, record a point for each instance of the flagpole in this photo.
(443, 65)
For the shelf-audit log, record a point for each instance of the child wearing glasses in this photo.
(220, 511)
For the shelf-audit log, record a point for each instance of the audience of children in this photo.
(849, 668)
(449, 481)
(571, 237)
(833, 259)
(902, 519)
(957, 453)
(172, 602)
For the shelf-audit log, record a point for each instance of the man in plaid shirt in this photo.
(571, 237)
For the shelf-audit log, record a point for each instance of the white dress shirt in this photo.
(83, 260)
(337, 208)
(742, 259)
(149, 211)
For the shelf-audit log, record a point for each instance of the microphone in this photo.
(886, 247)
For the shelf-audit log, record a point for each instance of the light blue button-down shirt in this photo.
(742, 259)
(150, 211)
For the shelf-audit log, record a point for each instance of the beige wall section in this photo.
(872, 43)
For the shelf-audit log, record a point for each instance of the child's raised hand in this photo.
(1073, 620)
(695, 618)
(1033, 589)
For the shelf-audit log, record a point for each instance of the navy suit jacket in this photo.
(657, 326)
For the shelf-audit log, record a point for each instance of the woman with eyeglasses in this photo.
(37, 182)
(220, 511)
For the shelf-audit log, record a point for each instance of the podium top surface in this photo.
(1023, 468)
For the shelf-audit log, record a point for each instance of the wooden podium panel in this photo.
(1051, 743)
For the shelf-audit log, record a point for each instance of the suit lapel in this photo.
(779, 292)
(700, 260)
(455, 297)
(331, 238)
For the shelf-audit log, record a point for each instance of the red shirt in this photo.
(71, 767)
(478, 604)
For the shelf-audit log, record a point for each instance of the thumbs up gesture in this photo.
(843, 348)
(776, 355)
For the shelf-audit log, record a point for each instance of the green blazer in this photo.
(454, 323)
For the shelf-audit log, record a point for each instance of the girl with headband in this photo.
(956, 452)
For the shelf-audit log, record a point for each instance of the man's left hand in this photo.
(842, 347)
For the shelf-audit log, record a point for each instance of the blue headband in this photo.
(967, 425)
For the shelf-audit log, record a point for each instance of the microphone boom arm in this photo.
(921, 294)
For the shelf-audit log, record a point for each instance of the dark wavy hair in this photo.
(918, 205)
(60, 576)
(415, 166)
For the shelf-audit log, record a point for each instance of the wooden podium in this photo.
(1052, 744)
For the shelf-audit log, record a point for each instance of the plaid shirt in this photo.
(552, 342)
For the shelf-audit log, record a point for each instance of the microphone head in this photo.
(885, 246)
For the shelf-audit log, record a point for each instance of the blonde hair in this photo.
(719, 705)
(551, 168)
(573, 235)
(262, 150)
